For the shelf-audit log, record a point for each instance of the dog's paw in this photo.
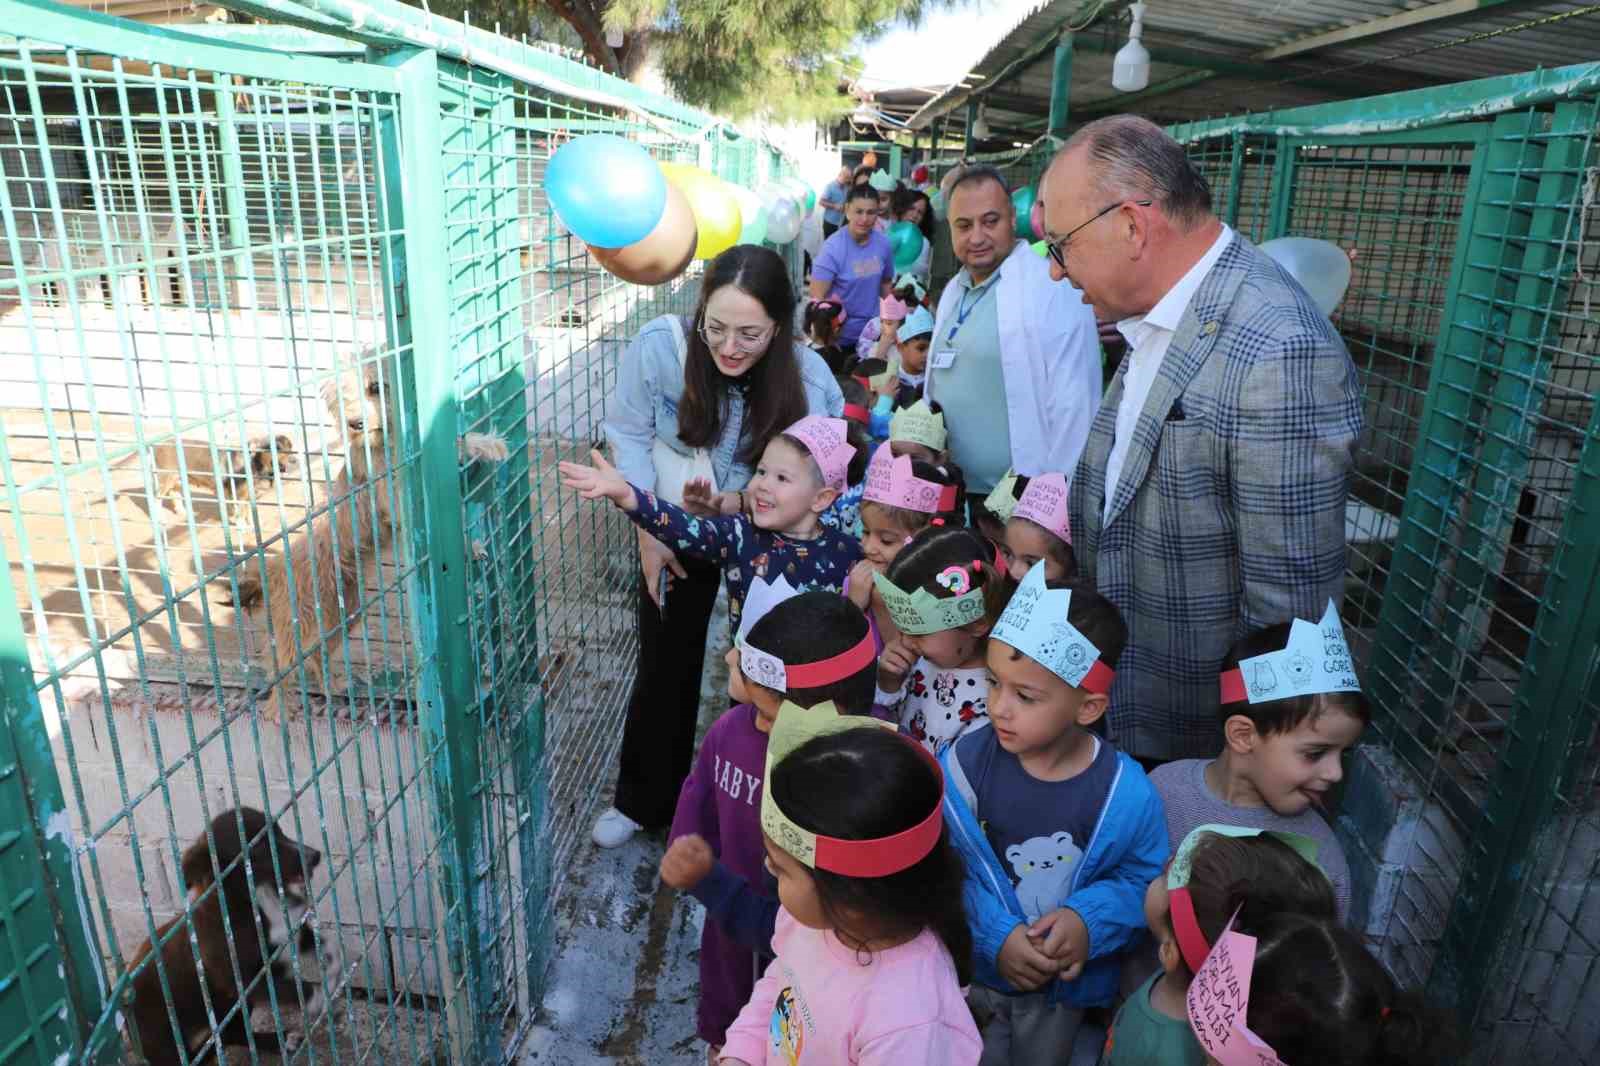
(484, 447)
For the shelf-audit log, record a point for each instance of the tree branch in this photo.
(585, 20)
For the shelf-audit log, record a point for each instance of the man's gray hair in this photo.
(1133, 158)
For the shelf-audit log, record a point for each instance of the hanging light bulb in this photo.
(1131, 70)
(980, 126)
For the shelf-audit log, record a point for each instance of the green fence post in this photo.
(1550, 707)
(1488, 251)
(446, 688)
(1060, 86)
(1235, 179)
(47, 1005)
(1282, 189)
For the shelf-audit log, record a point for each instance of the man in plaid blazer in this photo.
(1209, 500)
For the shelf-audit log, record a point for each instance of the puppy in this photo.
(323, 561)
(268, 925)
(259, 462)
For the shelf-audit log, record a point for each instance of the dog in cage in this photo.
(240, 474)
(312, 589)
(235, 940)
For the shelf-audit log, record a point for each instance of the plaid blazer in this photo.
(1229, 512)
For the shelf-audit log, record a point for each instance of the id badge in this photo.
(943, 359)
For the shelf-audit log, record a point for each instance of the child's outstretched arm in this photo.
(600, 481)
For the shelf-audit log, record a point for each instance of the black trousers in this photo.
(828, 230)
(658, 738)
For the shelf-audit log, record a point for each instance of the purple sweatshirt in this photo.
(721, 801)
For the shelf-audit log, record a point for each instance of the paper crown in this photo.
(1316, 659)
(912, 282)
(921, 612)
(893, 308)
(881, 181)
(918, 424)
(761, 599)
(1185, 925)
(1035, 623)
(891, 483)
(827, 439)
(891, 372)
(770, 671)
(1044, 501)
(855, 412)
(1219, 1003)
(919, 323)
(852, 858)
(1002, 502)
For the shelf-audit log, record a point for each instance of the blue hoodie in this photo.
(1126, 852)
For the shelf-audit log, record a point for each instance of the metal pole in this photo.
(1061, 86)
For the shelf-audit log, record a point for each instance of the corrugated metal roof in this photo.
(1229, 36)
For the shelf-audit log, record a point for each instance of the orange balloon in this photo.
(663, 254)
(870, 159)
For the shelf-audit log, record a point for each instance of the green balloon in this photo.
(811, 200)
(905, 239)
(1040, 248)
(755, 228)
(1022, 200)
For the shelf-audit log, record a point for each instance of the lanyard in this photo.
(963, 311)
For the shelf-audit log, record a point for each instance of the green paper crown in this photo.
(1003, 500)
(920, 613)
(918, 424)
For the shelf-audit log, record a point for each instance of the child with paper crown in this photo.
(1060, 833)
(878, 336)
(824, 321)
(772, 527)
(903, 497)
(902, 384)
(1217, 872)
(801, 649)
(1305, 991)
(871, 943)
(1291, 707)
(1037, 527)
(944, 591)
(919, 431)
(845, 514)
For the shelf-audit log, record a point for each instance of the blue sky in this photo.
(945, 47)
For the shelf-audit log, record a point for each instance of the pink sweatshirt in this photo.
(819, 1004)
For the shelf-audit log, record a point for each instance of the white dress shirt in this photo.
(1148, 336)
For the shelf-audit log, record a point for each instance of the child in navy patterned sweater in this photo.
(801, 472)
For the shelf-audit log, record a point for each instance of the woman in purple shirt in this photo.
(856, 265)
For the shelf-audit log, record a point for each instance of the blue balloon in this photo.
(606, 190)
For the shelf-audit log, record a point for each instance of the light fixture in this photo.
(980, 126)
(1131, 70)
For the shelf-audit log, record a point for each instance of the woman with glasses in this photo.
(697, 396)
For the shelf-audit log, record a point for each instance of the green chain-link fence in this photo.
(313, 252)
(1473, 592)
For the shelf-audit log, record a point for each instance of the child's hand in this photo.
(1062, 935)
(895, 663)
(687, 862)
(861, 584)
(599, 481)
(699, 499)
(1022, 964)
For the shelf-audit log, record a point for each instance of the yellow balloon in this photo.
(716, 209)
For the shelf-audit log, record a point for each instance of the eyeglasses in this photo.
(1057, 247)
(744, 340)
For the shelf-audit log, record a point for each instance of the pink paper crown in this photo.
(1045, 501)
(827, 439)
(893, 308)
(891, 483)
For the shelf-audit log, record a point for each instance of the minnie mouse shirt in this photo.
(936, 706)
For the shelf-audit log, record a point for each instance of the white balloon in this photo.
(783, 221)
(1321, 267)
(772, 192)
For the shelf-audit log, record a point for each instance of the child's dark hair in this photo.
(1258, 876)
(1096, 617)
(859, 436)
(809, 628)
(870, 367)
(938, 548)
(824, 320)
(913, 522)
(1320, 999)
(1284, 715)
(866, 784)
(863, 191)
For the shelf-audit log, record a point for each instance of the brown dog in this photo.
(257, 463)
(268, 926)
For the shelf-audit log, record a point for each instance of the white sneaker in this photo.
(614, 829)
